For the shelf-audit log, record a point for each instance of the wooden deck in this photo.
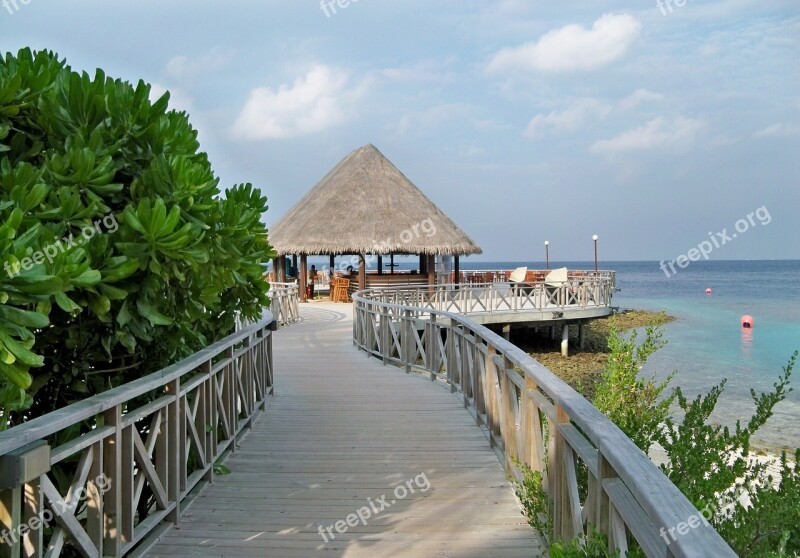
(341, 432)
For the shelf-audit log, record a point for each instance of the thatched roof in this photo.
(365, 205)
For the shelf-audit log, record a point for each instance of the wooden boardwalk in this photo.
(341, 432)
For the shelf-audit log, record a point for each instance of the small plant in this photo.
(535, 507)
(706, 460)
(634, 403)
(595, 546)
(533, 498)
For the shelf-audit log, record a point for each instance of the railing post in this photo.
(10, 519)
(385, 334)
(406, 340)
(112, 467)
(602, 515)
(490, 392)
(174, 450)
(433, 348)
(210, 402)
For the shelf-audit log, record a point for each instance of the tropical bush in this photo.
(758, 514)
(119, 252)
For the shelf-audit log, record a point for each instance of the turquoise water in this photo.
(706, 343)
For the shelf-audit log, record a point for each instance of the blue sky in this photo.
(525, 121)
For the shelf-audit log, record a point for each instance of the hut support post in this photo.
(281, 269)
(303, 278)
(456, 270)
(331, 265)
(362, 272)
(431, 265)
(380, 265)
(294, 264)
(423, 264)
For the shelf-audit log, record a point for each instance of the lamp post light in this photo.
(594, 237)
(547, 254)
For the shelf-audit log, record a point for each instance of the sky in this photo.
(655, 126)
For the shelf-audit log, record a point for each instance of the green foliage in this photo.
(708, 462)
(595, 546)
(533, 498)
(535, 507)
(119, 252)
(633, 403)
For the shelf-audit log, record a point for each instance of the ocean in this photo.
(706, 343)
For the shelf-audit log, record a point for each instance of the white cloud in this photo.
(779, 129)
(572, 48)
(316, 101)
(585, 111)
(638, 97)
(658, 133)
(569, 119)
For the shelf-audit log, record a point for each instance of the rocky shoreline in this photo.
(582, 368)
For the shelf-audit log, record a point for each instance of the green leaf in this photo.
(151, 314)
(66, 303)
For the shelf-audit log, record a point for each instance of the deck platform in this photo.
(341, 432)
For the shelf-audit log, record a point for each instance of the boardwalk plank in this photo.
(341, 432)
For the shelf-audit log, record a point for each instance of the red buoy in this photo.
(708, 291)
(746, 321)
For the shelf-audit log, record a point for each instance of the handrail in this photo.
(285, 298)
(578, 293)
(513, 396)
(134, 453)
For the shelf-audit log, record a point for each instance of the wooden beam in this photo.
(423, 264)
(457, 270)
(282, 269)
(362, 272)
(303, 277)
(380, 265)
(431, 265)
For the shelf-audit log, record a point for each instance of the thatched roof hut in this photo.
(365, 205)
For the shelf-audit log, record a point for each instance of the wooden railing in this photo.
(595, 476)
(100, 476)
(285, 298)
(489, 298)
(469, 276)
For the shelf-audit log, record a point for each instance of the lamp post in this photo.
(547, 254)
(594, 237)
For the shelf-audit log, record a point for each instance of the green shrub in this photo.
(706, 461)
(162, 261)
(633, 403)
